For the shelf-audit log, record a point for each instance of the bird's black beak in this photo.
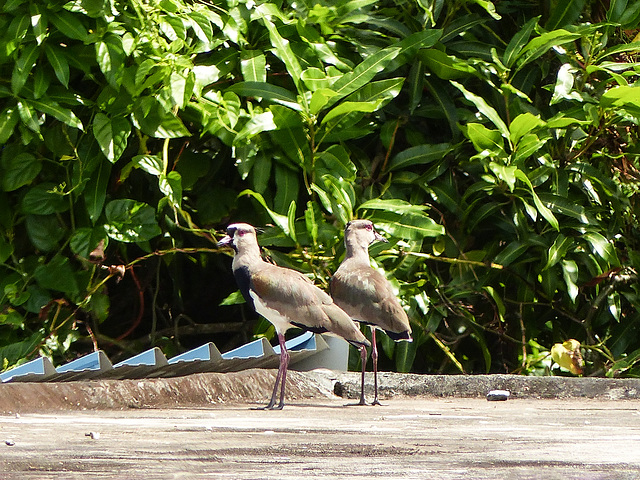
(379, 237)
(226, 241)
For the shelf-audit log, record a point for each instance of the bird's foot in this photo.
(376, 402)
(361, 403)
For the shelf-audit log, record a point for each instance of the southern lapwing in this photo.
(366, 295)
(286, 298)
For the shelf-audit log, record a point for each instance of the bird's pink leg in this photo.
(374, 357)
(363, 358)
(284, 361)
(281, 378)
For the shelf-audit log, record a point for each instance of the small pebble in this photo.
(93, 435)
(10, 443)
(498, 395)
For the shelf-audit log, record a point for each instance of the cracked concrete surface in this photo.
(190, 428)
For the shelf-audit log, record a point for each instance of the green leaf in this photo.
(316, 79)
(541, 45)
(258, 123)
(570, 275)
(85, 240)
(19, 171)
(415, 84)
(253, 65)
(335, 160)
(523, 124)
(13, 352)
(131, 221)
(484, 139)
(445, 66)
(287, 188)
(346, 108)
(461, 25)
(621, 96)
(28, 116)
(52, 108)
(310, 222)
(558, 250)
(69, 25)
(57, 275)
(402, 219)
(602, 247)
(444, 101)
(95, 191)
(282, 221)
(110, 57)
(282, 49)
(8, 121)
(291, 217)
(266, 91)
(405, 356)
(563, 89)
(59, 63)
(171, 186)
(341, 195)
(564, 12)
(489, 7)
(23, 66)
(10, 316)
(567, 207)
(6, 250)
(152, 164)
(540, 207)
(44, 199)
(419, 155)
(234, 298)
(44, 231)
(423, 39)
(392, 205)
(112, 135)
(291, 135)
(511, 253)
(363, 73)
(484, 108)
(505, 173)
(177, 85)
(156, 122)
(384, 90)
(498, 301)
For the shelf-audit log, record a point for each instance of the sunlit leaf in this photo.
(112, 135)
(131, 221)
(253, 65)
(484, 108)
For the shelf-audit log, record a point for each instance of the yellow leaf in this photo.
(568, 356)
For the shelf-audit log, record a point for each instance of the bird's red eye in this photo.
(241, 233)
(369, 227)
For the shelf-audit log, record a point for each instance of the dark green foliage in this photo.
(496, 146)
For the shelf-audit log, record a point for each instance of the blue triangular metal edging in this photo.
(34, 371)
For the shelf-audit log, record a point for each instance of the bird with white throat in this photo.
(366, 295)
(286, 298)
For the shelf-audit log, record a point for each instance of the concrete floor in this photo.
(406, 438)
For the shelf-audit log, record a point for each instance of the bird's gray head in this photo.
(239, 237)
(362, 232)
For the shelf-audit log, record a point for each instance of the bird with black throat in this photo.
(286, 298)
(366, 295)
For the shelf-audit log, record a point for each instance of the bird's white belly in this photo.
(276, 318)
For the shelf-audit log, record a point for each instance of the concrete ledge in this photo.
(473, 386)
(192, 391)
(254, 386)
